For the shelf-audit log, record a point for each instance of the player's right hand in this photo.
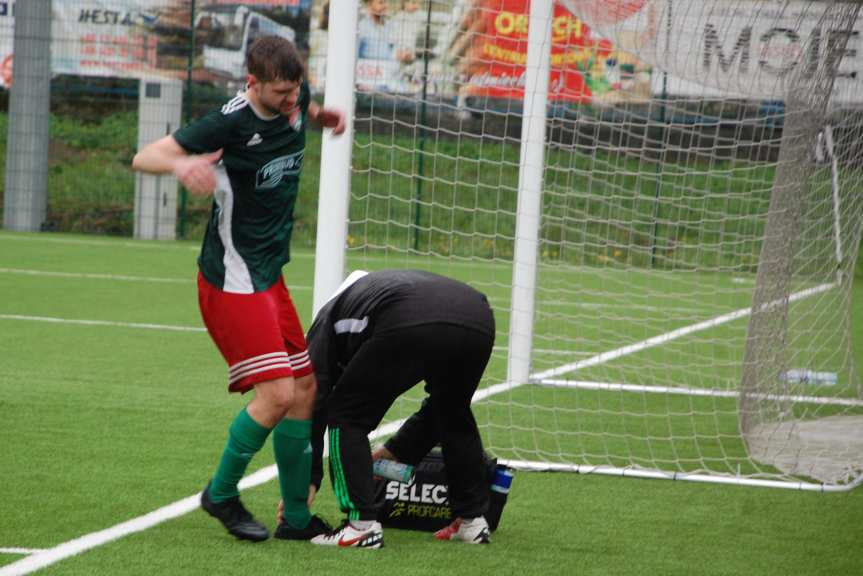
(196, 172)
(382, 453)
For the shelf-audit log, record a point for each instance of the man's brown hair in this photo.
(273, 58)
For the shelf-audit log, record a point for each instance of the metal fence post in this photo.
(26, 193)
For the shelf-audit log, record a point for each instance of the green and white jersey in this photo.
(248, 236)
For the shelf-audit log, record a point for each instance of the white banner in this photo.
(93, 37)
(756, 49)
(138, 38)
(105, 38)
(763, 50)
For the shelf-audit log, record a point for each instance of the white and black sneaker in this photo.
(472, 531)
(348, 536)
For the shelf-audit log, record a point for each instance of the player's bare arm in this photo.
(327, 117)
(166, 156)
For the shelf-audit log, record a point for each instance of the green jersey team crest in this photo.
(276, 170)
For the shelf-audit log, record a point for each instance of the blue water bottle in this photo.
(392, 470)
(502, 480)
(498, 493)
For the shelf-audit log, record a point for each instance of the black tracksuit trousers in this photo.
(451, 359)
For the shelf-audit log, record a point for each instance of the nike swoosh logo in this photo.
(350, 542)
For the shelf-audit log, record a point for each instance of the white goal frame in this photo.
(335, 186)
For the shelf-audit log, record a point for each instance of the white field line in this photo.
(548, 351)
(684, 391)
(113, 277)
(93, 276)
(85, 322)
(629, 308)
(142, 244)
(673, 335)
(102, 323)
(37, 238)
(52, 555)
(41, 558)
(356, 259)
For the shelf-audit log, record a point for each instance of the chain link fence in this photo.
(437, 80)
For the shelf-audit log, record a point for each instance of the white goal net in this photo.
(663, 200)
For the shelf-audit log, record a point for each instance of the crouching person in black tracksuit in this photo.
(381, 334)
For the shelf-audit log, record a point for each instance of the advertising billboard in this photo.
(585, 67)
(129, 38)
(752, 49)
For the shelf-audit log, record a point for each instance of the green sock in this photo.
(293, 448)
(245, 438)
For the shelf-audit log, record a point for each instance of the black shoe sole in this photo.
(247, 535)
(316, 527)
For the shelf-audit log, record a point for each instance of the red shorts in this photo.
(258, 334)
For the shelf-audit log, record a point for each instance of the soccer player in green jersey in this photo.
(249, 155)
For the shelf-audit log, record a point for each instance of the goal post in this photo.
(663, 200)
(530, 178)
(335, 175)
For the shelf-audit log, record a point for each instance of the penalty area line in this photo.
(112, 277)
(675, 334)
(81, 322)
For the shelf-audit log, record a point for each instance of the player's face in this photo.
(378, 7)
(278, 96)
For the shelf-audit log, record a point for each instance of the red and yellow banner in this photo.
(585, 68)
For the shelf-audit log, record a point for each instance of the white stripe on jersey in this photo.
(238, 280)
(275, 366)
(238, 102)
(300, 360)
(258, 366)
(255, 359)
(297, 367)
(352, 325)
(298, 356)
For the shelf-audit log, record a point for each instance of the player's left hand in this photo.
(280, 512)
(280, 509)
(332, 118)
